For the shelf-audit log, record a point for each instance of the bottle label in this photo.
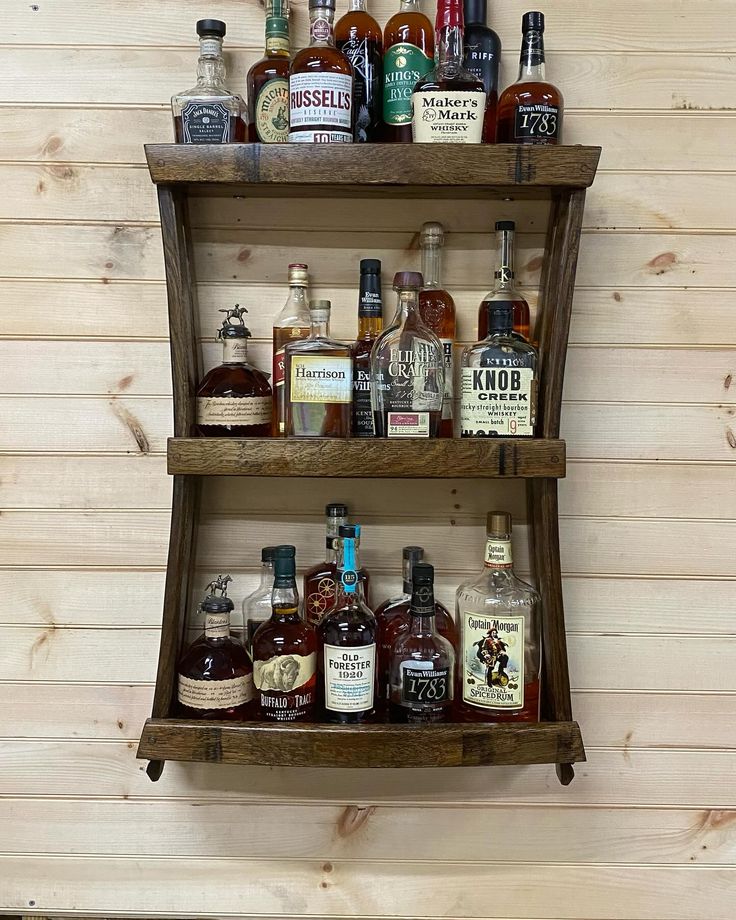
(272, 111)
(537, 122)
(295, 333)
(349, 677)
(365, 57)
(363, 426)
(277, 34)
(404, 65)
(217, 625)
(320, 30)
(408, 425)
(448, 116)
(498, 402)
(205, 123)
(370, 304)
(233, 410)
(321, 100)
(498, 554)
(210, 46)
(320, 379)
(235, 351)
(493, 661)
(482, 64)
(286, 686)
(449, 377)
(320, 137)
(215, 694)
(422, 683)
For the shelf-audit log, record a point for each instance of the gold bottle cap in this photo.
(320, 305)
(498, 522)
(432, 234)
(298, 276)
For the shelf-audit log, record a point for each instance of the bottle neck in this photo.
(297, 298)
(266, 576)
(370, 307)
(348, 565)
(449, 53)
(321, 26)
(210, 66)
(504, 274)
(277, 29)
(498, 556)
(358, 6)
(407, 303)
(431, 265)
(284, 599)
(318, 327)
(408, 569)
(410, 6)
(422, 609)
(531, 64)
(333, 528)
(217, 625)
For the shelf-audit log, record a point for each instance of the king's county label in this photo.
(318, 379)
(350, 675)
(497, 402)
(448, 116)
(320, 100)
(233, 410)
(215, 694)
(492, 660)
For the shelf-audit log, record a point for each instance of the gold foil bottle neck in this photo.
(498, 523)
(298, 274)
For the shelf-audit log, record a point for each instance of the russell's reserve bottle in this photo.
(370, 324)
(408, 50)
(358, 36)
(268, 81)
(291, 325)
(505, 290)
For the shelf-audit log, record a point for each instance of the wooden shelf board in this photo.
(301, 745)
(368, 458)
(351, 170)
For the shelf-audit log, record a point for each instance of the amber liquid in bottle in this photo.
(370, 325)
(410, 26)
(505, 290)
(291, 325)
(268, 81)
(358, 36)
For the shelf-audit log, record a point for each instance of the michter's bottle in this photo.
(408, 42)
(370, 324)
(268, 81)
(358, 36)
(321, 85)
(482, 59)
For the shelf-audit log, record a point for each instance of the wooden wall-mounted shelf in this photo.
(558, 174)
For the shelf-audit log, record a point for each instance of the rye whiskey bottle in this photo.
(285, 651)
(408, 42)
(530, 110)
(505, 290)
(209, 113)
(370, 324)
(291, 325)
(449, 102)
(257, 606)
(234, 399)
(358, 36)
(268, 81)
(482, 59)
(437, 309)
(500, 641)
(348, 642)
(321, 85)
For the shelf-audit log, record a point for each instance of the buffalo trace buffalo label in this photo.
(286, 685)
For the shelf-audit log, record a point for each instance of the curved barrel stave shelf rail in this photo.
(558, 174)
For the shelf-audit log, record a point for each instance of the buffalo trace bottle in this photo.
(448, 103)
(422, 671)
(347, 637)
(437, 309)
(407, 369)
(482, 59)
(408, 48)
(291, 325)
(499, 655)
(370, 324)
(285, 651)
(358, 36)
(319, 381)
(234, 399)
(215, 676)
(257, 605)
(268, 81)
(321, 85)
(209, 113)
(505, 290)
(530, 110)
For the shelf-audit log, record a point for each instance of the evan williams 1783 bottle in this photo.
(358, 36)
(268, 81)
(321, 85)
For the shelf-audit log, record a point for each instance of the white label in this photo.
(498, 554)
(320, 379)
(349, 678)
(449, 377)
(324, 100)
(284, 673)
(217, 625)
(408, 425)
(209, 46)
(321, 137)
(493, 661)
(448, 116)
(215, 694)
(233, 410)
(497, 401)
(235, 351)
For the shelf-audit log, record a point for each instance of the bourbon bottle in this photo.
(483, 59)
(257, 605)
(321, 85)
(408, 43)
(291, 325)
(268, 81)
(530, 110)
(505, 290)
(358, 36)
(370, 324)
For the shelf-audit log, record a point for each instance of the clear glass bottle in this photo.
(407, 369)
(358, 36)
(500, 640)
(408, 42)
(505, 290)
(268, 81)
(483, 59)
(319, 381)
(422, 670)
(370, 325)
(291, 325)
(209, 113)
(347, 636)
(257, 605)
(285, 651)
(437, 309)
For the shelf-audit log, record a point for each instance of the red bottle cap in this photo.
(449, 14)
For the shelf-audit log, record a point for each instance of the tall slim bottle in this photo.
(370, 325)
(291, 325)
(504, 290)
(408, 53)
(268, 81)
(358, 36)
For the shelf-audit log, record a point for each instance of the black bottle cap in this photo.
(284, 552)
(415, 553)
(268, 554)
(532, 21)
(505, 225)
(348, 530)
(422, 574)
(214, 604)
(500, 316)
(211, 27)
(475, 12)
(336, 509)
(370, 266)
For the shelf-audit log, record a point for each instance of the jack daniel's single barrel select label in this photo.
(205, 123)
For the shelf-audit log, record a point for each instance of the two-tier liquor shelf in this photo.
(557, 174)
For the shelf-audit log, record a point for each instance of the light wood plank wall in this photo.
(647, 831)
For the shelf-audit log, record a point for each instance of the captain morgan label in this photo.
(492, 660)
(404, 65)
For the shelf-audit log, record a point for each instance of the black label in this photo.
(537, 121)
(481, 59)
(362, 410)
(365, 56)
(370, 303)
(205, 123)
(425, 685)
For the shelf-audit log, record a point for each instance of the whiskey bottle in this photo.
(482, 59)
(500, 643)
(215, 676)
(422, 671)
(370, 324)
(449, 102)
(320, 582)
(285, 651)
(437, 309)
(408, 42)
(321, 85)
(319, 381)
(348, 642)
(209, 113)
(291, 325)
(530, 110)
(358, 36)
(407, 369)
(268, 81)
(234, 399)
(499, 381)
(257, 606)
(505, 289)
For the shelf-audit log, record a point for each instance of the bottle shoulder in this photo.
(358, 25)
(318, 346)
(531, 91)
(317, 59)
(461, 80)
(477, 32)
(496, 588)
(234, 380)
(500, 350)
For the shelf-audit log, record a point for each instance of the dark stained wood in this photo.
(294, 745)
(432, 166)
(380, 458)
